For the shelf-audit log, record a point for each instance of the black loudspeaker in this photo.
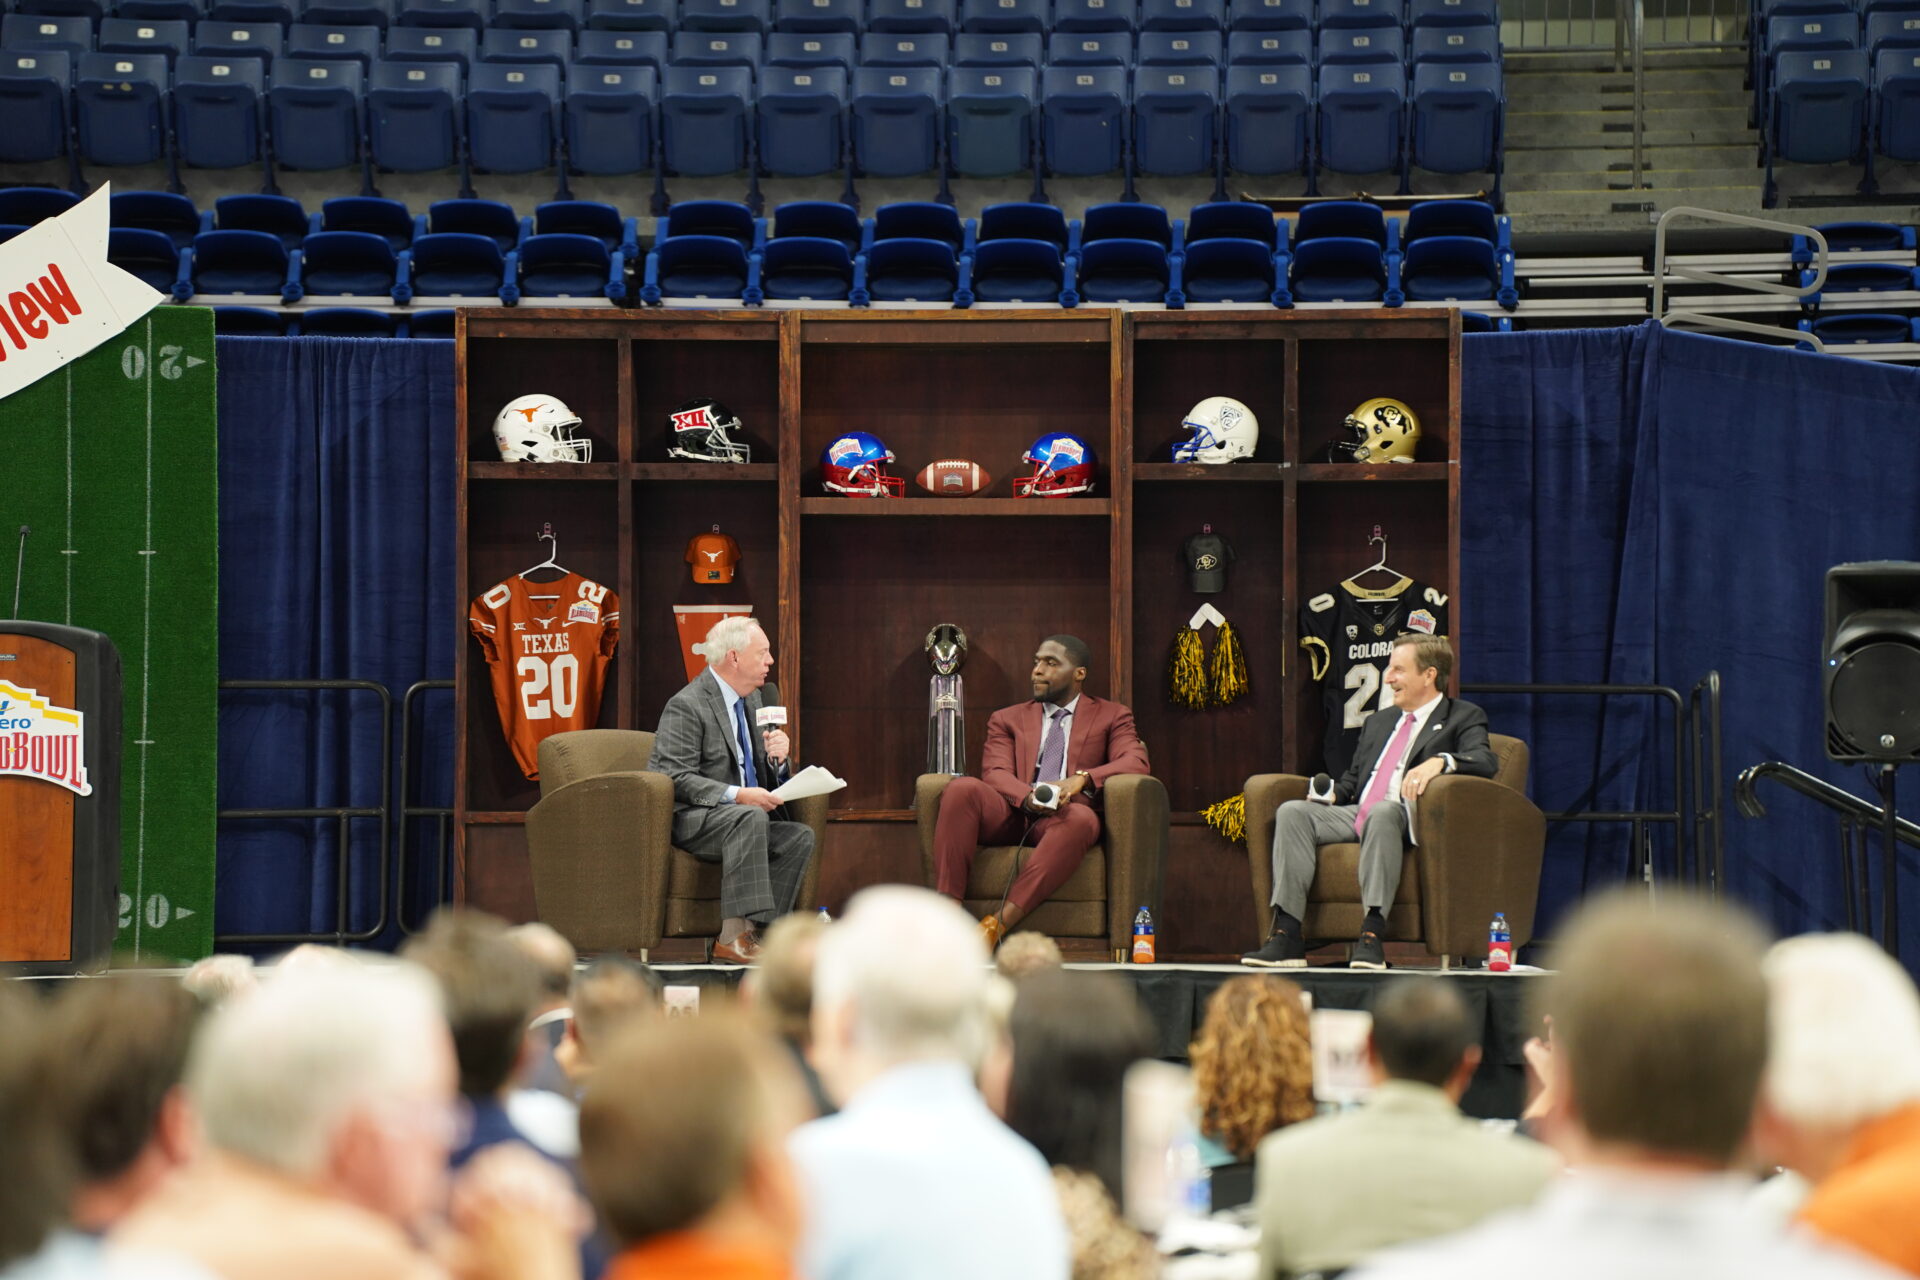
(1872, 674)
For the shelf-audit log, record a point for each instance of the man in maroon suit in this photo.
(1065, 738)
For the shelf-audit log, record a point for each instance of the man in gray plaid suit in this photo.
(723, 769)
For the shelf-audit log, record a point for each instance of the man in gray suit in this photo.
(723, 772)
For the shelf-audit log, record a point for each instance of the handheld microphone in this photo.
(1320, 790)
(771, 717)
(1046, 795)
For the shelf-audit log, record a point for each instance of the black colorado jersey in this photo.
(1348, 633)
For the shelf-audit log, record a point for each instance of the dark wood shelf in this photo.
(1230, 473)
(712, 471)
(1006, 507)
(1372, 473)
(543, 471)
(497, 817)
(871, 815)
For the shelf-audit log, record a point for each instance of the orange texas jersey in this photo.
(547, 645)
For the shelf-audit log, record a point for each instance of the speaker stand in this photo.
(1890, 868)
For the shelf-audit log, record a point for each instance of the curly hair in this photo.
(1252, 1062)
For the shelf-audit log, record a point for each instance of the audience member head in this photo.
(552, 955)
(490, 989)
(1252, 1062)
(313, 955)
(116, 1051)
(1421, 1033)
(1025, 953)
(1074, 1036)
(1659, 1031)
(339, 1078)
(685, 1129)
(39, 1164)
(217, 979)
(609, 995)
(900, 977)
(780, 986)
(1843, 1049)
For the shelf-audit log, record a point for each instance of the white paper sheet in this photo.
(810, 781)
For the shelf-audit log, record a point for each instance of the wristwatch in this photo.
(1087, 774)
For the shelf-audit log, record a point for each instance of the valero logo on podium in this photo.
(41, 741)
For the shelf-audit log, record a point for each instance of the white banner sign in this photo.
(60, 297)
(42, 741)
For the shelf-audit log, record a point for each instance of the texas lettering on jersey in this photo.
(547, 646)
(1348, 634)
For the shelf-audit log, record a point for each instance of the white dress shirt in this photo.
(1066, 737)
(1420, 714)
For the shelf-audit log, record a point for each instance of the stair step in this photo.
(1616, 178)
(1529, 138)
(1542, 97)
(1523, 167)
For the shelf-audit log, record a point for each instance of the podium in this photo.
(59, 798)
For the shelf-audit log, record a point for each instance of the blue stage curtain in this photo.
(336, 562)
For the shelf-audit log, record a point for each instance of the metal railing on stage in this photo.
(409, 811)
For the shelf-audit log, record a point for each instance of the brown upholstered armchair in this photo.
(1119, 875)
(605, 872)
(1481, 842)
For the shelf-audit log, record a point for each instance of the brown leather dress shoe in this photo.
(991, 931)
(744, 949)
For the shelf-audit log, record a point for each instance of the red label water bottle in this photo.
(1499, 945)
(1143, 937)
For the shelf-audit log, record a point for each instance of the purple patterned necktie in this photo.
(1383, 772)
(1053, 748)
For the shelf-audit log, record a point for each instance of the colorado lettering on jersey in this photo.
(1348, 634)
(1368, 652)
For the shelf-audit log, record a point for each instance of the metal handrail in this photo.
(403, 855)
(1663, 270)
(1845, 803)
(1639, 23)
(1709, 794)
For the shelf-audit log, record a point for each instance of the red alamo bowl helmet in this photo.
(856, 464)
(1062, 464)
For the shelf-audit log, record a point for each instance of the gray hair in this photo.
(275, 1070)
(1844, 1032)
(727, 635)
(914, 970)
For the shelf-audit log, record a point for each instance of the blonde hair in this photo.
(1253, 1062)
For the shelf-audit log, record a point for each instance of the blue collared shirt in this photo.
(733, 735)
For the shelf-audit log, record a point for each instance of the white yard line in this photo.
(68, 552)
(146, 670)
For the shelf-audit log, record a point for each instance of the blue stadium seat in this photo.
(1856, 328)
(1269, 120)
(219, 106)
(621, 49)
(697, 266)
(262, 40)
(1026, 221)
(921, 220)
(25, 206)
(1480, 322)
(1817, 112)
(359, 264)
(1359, 13)
(435, 322)
(1287, 48)
(717, 49)
(362, 44)
(540, 15)
(250, 322)
(1019, 271)
(130, 35)
(24, 33)
(1125, 220)
(281, 217)
(985, 16)
(1094, 15)
(1174, 115)
(821, 49)
(1455, 44)
(610, 119)
(513, 117)
(471, 14)
(414, 116)
(150, 255)
(1771, 9)
(896, 120)
(908, 269)
(247, 263)
(1356, 45)
(806, 269)
(1270, 15)
(1183, 15)
(1350, 218)
(387, 219)
(726, 15)
(434, 44)
(706, 119)
(1226, 269)
(452, 264)
(589, 218)
(34, 97)
(171, 214)
(1890, 30)
(1474, 218)
(562, 265)
(1362, 110)
(892, 49)
(819, 219)
(1808, 33)
(349, 322)
(1340, 269)
(1233, 220)
(630, 15)
(728, 219)
(1084, 119)
(1124, 271)
(1018, 49)
(1855, 238)
(489, 218)
(527, 49)
(348, 13)
(1453, 13)
(1896, 104)
(1090, 49)
(1452, 269)
(253, 12)
(802, 117)
(940, 16)
(1179, 49)
(991, 120)
(818, 17)
(1458, 110)
(316, 109)
(91, 10)
(120, 103)
(1861, 277)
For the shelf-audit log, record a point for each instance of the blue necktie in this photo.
(746, 744)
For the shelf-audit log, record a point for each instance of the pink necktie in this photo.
(1383, 772)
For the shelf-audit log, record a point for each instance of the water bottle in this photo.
(1499, 945)
(1190, 1182)
(1143, 936)
(824, 917)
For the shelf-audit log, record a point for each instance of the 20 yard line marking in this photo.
(146, 669)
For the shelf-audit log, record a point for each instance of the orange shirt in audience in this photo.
(688, 1255)
(1868, 1201)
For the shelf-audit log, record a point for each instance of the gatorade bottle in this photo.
(1143, 936)
(1499, 945)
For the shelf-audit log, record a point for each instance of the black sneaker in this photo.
(1367, 953)
(1281, 951)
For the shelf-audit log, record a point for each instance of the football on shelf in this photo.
(953, 478)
